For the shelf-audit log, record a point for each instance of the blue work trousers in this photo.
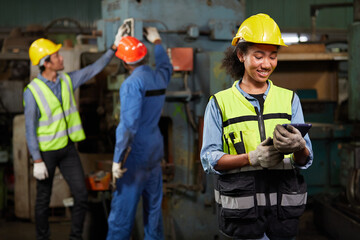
(136, 183)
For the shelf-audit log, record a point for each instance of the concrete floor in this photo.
(15, 229)
(25, 230)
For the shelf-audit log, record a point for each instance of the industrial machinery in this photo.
(195, 34)
(337, 212)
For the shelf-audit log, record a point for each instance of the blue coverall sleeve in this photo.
(298, 117)
(212, 149)
(131, 99)
(85, 74)
(31, 124)
(162, 61)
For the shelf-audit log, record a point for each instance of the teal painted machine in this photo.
(338, 213)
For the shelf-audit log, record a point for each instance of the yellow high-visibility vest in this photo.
(245, 195)
(57, 122)
(244, 127)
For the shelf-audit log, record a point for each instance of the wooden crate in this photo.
(304, 48)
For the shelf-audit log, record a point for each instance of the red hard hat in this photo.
(131, 50)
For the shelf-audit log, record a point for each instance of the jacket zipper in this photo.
(260, 119)
(261, 124)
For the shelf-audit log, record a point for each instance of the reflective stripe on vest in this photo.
(244, 128)
(287, 200)
(50, 118)
(56, 121)
(60, 134)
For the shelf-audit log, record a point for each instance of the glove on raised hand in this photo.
(288, 140)
(265, 155)
(117, 171)
(152, 34)
(40, 171)
(122, 32)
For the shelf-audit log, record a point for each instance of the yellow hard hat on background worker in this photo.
(259, 28)
(41, 48)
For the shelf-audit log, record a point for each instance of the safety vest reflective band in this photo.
(287, 200)
(57, 122)
(244, 127)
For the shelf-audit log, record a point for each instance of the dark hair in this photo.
(231, 62)
(42, 68)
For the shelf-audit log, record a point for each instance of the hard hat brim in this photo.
(235, 41)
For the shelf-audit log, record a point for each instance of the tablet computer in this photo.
(302, 127)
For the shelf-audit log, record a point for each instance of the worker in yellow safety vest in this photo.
(259, 191)
(53, 124)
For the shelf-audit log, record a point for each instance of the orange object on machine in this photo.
(182, 59)
(99, 181)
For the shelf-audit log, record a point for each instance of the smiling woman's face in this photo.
(259, 61)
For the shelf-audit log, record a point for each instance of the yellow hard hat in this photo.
(259, 28)
(41, 48)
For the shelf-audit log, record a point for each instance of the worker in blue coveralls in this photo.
(142, 96)
(53, 124)
(259, 191)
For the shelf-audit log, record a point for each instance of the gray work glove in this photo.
(152, 34)
(122, 32)
(40, 171)
(117, 171)
(288, 140)
(265, 155)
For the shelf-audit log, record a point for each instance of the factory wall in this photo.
(290, 14)
(19, 13)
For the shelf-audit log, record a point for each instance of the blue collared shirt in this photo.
(212, 148)
(31, 110)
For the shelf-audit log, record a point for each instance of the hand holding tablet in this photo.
(302, 127)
